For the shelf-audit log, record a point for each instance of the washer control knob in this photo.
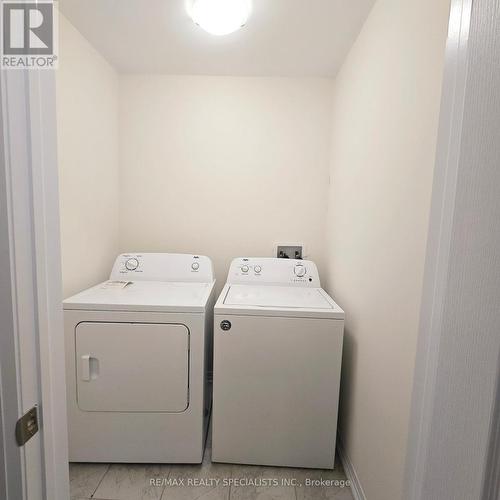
(195, 266)
(131, 264)
(257, 269)
(244, 269)
(299, 270)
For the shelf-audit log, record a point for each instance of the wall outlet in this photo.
(289, 251)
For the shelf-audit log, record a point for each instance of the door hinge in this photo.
(27, 426)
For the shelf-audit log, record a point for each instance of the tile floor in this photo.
(208, 481)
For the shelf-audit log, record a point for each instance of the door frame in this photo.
(31, 266)
(11, 459)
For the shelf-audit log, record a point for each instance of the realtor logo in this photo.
(29, 35)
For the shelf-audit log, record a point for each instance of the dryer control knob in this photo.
(257, 269)
(132, 264)
(299, 270)
(195, 266)
(244, 269)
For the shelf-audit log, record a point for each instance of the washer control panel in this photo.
(273, 271)
(163, 267)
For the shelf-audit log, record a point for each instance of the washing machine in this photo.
(138, 352)
(277, 357)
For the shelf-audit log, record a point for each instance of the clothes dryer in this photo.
(138, 349)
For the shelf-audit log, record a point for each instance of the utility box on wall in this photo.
(290, 251)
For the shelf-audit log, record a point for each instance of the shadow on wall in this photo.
(348, 376)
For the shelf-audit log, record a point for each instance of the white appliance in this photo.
(137, 356)
(277, 356)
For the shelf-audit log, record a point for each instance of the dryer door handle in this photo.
(85, 373)
(90, 367)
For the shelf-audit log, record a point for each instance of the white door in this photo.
(276, 387)
(132, 367)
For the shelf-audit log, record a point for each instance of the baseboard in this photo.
(350, 472)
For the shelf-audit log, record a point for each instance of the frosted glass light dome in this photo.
(220, 17)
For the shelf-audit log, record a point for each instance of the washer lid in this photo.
(276, 296)
(143, 296)
(278, 301)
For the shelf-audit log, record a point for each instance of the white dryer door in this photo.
(132, 367)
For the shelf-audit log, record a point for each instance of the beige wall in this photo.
(385, 115)
(87, 113)
(223, 166)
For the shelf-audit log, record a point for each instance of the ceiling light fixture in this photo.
(220, 17)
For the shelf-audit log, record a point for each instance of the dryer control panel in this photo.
(172, 267)
(273, 271)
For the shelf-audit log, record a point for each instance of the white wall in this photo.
(87, 113)
(385, 115)
(223, 166)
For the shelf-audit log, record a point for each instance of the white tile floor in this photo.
(176, 482)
